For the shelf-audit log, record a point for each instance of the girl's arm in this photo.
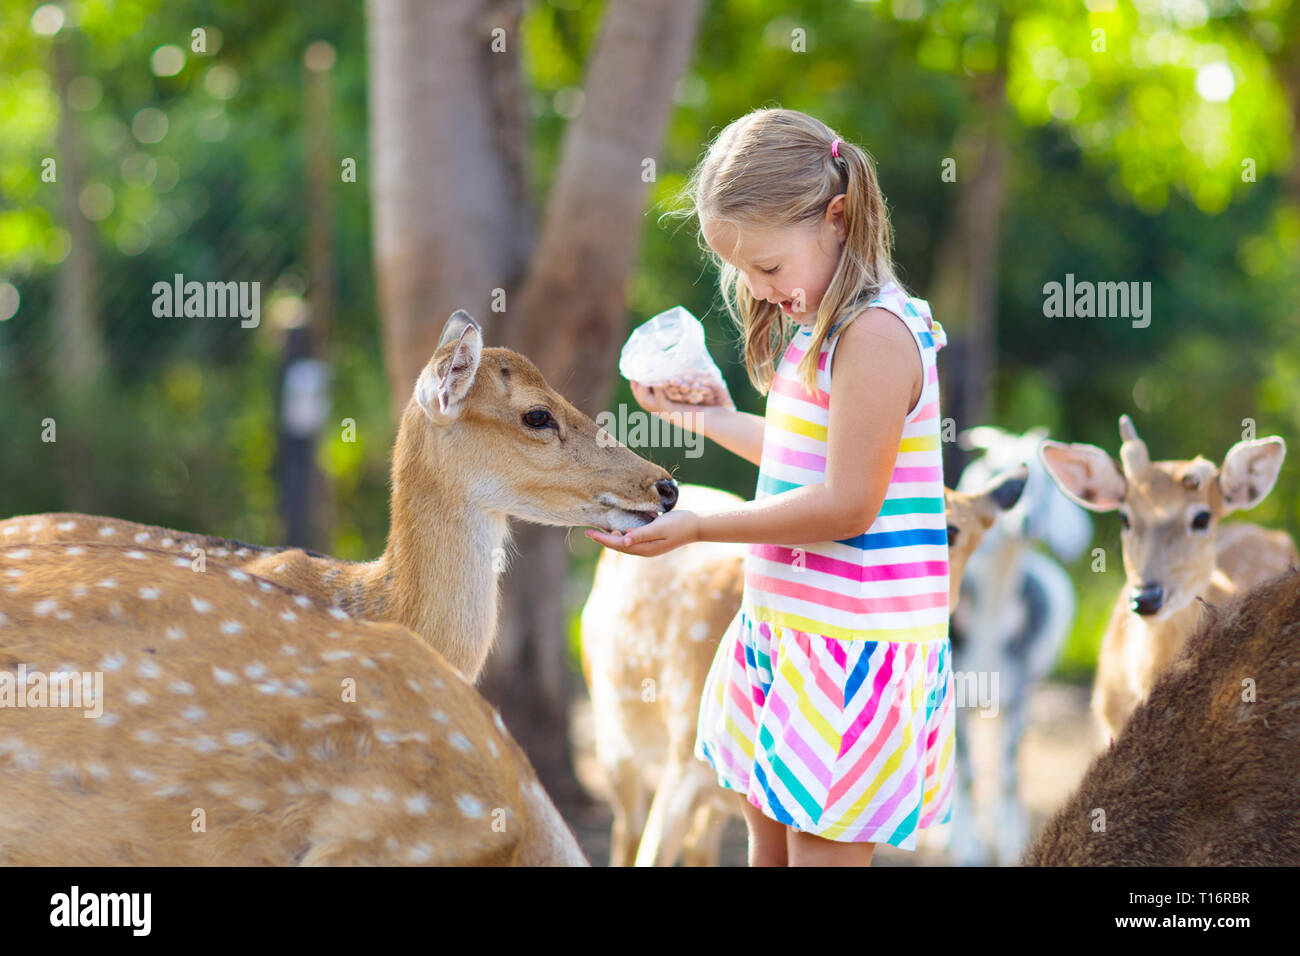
(739, 432)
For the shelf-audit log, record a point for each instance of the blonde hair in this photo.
(773, 168)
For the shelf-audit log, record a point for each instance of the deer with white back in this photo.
(155, 715)
(1174, 549)
(483, 439)
(649, 631)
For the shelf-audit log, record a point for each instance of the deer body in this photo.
(1203, 772)
(243, 723)
(1174, 550)
(483, 439)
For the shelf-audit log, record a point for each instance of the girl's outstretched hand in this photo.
(652, 399)
(668, 531)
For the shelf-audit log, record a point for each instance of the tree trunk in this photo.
(448, 181)
(78, 354)
(453, 229)
(967, 261)
(573, 301)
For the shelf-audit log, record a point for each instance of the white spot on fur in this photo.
(250, 803)
(255, 671)
(496, 719)
(224, 676)
(194, 714)
(134, 555)
(200, 605)
(150, 594)
(335, 655)
(75, 551)
(141, 776)
(137, 697)
(145, 736)
(460, 741)
(141, 538)
(374, 713)
(149, 668)
(288, 650)
(175, 634)
(181, 562)
(288, 616)
(420, 853)
(440, 717)
(240, 738)
(302, 600)
(113, 662)
(469, 805)
(221, 788)
(237, 574)
(338, 613)
(19, 554)
(492, 747)
(106, 531)
(167, 542)
(14, 572)
(43, 608)
(417, 805)
(347, 795)
(181, 687)
(265, 585)
(107, 583)
(231, 627)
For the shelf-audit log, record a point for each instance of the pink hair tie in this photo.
(835, 148)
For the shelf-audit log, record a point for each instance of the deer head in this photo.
(1168, 510)
(971, 514)
(504, 440)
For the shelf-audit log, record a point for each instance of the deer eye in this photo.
(1123, 520)
(538, 418)
(952, 534)
(1201, 521)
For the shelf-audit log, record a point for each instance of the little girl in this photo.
(829, 703)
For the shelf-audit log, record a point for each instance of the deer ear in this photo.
(446, 380)
(1084, 473)
(1249, 471)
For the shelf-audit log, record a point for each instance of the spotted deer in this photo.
(483, 439)
(649, 632)
(1203, 773)
(1174, 549)
(155, 715)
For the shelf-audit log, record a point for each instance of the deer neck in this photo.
(438, 574)
(1158, 641)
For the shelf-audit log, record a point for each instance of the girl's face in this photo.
(790, 267)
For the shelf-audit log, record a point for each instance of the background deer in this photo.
(1017, 605)
(1203, 773)
(650, 629)
(483, 439)
(243, 723)
(1173, 548)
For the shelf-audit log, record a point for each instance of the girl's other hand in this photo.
(652, 399)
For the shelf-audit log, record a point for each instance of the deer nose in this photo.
(667, 489)
(1146, 599)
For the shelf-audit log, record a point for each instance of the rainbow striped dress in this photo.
(829, 703)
